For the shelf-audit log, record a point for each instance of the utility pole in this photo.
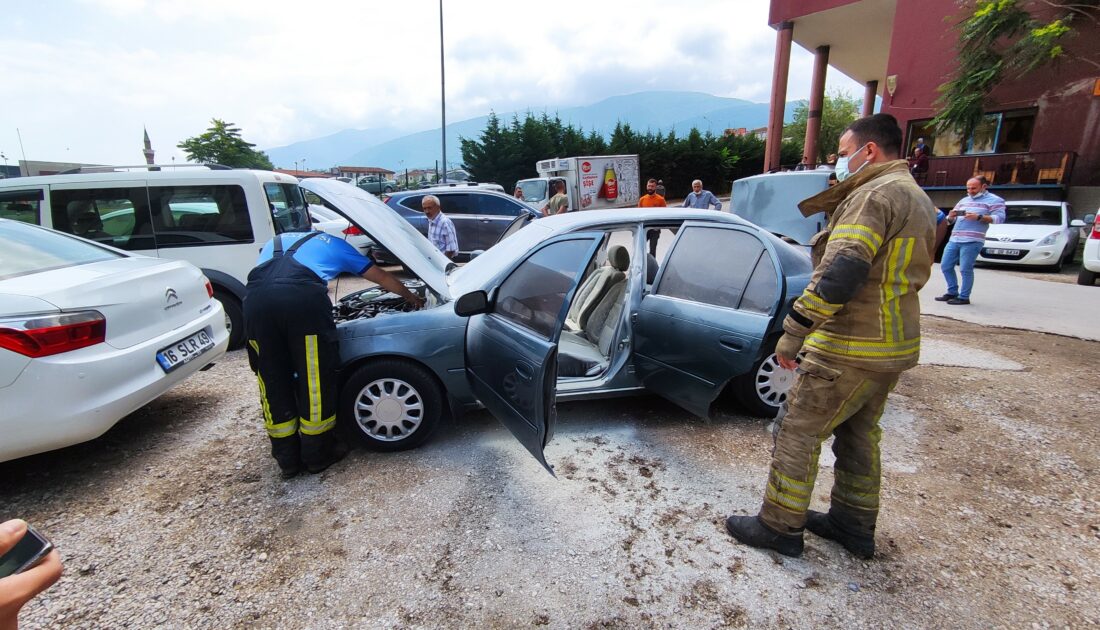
(442, 92)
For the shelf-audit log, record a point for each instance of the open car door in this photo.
(706, 318)
(512, 337)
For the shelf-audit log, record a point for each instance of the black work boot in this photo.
(336, 451)
(751, 531)
(834, 528)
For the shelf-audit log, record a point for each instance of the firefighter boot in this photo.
(838, 527)
(751, 531)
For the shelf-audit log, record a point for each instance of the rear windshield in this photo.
(1033, 215)
(26, 249)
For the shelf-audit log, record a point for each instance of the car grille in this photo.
(990, 239)
(986, 254)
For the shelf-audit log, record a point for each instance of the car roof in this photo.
(167, 174)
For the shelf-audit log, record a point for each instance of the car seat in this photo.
(596, 286)
(85, 221)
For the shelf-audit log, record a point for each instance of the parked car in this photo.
(377, 185)
(567, 307)
(331, 222)
(1034, 233)
(90, 333)
(214, 218)
(480, 215)
(1090, 260)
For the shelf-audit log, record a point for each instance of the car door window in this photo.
(499, 206)
(534, 293)
(413, 202)
(288, 207)
(115, 216)
(21, 205)
(763, 287)
(711, 265)
(200, 215)
(458, 204)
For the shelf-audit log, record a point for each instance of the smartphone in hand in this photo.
(29, 551)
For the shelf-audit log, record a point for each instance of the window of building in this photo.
(998, 132)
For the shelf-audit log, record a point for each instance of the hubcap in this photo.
(773, 382)
(389, 409)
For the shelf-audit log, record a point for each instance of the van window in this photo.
(21, 205)
(200, 215)
(115, 216)
(288, 207)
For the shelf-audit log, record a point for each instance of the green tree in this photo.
(840, 109)
(222, 144)
(1004, 40)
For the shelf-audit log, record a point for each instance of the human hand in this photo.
(416, 301)
(787, 349)
(16, 590)
(785, 363)
(973, 216)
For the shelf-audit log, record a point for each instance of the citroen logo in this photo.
(171, 299)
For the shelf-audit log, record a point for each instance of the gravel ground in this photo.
(177, 517)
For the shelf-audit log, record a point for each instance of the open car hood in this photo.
(387, 228)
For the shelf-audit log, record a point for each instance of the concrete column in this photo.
(774, 140)
(817, 102)
(869, 98)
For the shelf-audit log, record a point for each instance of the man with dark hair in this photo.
(854, 329)
(559, 203)
(652, 199)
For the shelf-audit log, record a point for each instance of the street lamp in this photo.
(442, 91)
(303, 164)
(295, 167)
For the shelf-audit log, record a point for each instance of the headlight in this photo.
(1049, 240)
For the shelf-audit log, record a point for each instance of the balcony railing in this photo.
(1000, 169)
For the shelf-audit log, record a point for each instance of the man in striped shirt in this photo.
(441, 230)
(971, 217)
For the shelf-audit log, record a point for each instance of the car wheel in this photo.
(1086, 277)
(234, 317)
(763, 390)
(1057, 266)
(391, 405)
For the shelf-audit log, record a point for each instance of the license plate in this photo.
(1004, 252)
(185, 350)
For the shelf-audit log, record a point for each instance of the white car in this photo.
(90, 333)
(330, 222)
(1041, 233)
(1090, 260)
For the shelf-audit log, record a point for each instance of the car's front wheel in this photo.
(391, 405)
(763, 390)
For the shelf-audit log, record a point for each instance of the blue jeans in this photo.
(963, 255)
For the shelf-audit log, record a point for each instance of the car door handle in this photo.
(486, 220)
(733, 343)
(526, 372)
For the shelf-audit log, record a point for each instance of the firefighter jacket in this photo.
(860, 307)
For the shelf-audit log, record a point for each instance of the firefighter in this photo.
(292, 342)
(850, 334)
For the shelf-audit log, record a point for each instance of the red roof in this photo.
(364, 169)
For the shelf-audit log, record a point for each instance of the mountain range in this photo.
(391, 148)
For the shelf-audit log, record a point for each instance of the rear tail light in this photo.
(352, 230)
(45, 335)
(209, 289)
(1096, 227)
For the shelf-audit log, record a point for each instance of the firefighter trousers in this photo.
(292, 349)
(828, 398)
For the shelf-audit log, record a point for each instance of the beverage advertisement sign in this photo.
(609, 182)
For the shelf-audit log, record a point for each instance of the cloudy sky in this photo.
(82, 77)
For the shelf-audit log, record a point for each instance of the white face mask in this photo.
(841, 171)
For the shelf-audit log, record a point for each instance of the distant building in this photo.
(31, 168)
(302, 174)
(1040, 138)
(356, 172)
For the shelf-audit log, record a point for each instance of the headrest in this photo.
(618, 257)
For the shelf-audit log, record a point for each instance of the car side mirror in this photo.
(1077, 223)
(1090, 218)
(473, 303)
(477, 252)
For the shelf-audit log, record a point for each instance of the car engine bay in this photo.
(377, 301)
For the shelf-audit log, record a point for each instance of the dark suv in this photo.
(480, 216)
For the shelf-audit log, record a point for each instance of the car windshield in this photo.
(26, 249)
(1033, 215)
(533, 190)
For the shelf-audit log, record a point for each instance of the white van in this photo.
(215, 218)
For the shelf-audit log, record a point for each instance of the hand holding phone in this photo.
(28, 565)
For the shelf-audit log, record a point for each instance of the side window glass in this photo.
(499, 206)
(533, 295)
(711, 266)
(200, 215)
(115, 216)
(762, 289)
(413, 202)
(21, 205)
(460, 204)
(288, 207)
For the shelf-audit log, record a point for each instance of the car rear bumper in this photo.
(1091, 258)
(76, 396)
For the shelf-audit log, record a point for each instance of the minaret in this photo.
(148, 147)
